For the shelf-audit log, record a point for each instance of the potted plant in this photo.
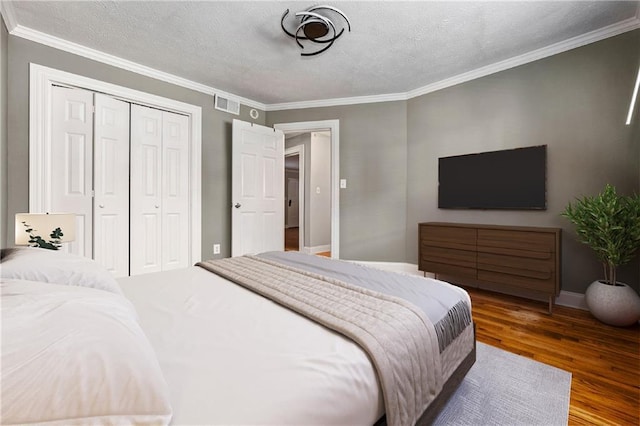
(610, 224)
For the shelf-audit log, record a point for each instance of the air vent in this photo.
(227, 105)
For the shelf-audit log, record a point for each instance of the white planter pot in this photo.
(617, 305)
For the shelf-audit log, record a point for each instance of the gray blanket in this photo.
(440, 302)
(398, 337)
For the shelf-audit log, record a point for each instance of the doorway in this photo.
(333, 126)
(308, 193)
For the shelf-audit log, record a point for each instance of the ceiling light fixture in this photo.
(316, 27)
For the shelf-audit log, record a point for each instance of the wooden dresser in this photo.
(507, 258)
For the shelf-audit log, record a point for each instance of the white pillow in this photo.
(76, 356)
(54, 266)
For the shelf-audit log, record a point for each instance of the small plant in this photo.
(610, 224)
(37, 241)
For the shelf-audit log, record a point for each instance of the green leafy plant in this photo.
(37, 241)
(610, 224)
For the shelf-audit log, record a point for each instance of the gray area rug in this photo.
(507, 389)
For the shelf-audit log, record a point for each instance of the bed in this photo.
(225, 354)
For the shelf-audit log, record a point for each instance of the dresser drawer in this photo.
(518, 240)
(449, 256)
(520, 266)
(448, 236)
(518, 281)
(445, 268)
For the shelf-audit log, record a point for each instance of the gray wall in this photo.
(320, 202)
(373, 158)
(575, 103)
(216, 133)
(4, 36)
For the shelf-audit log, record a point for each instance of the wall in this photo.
(216, 133)
(4, 36)
(320, 195)
(575, 102)
(373, 159)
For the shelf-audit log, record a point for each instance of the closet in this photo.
(123, 169)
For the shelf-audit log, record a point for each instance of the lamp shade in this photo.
(43, 225)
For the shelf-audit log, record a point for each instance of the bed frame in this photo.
(448, 389)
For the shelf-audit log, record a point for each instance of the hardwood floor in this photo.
(291, 236)
(604, 360)
(291, 242)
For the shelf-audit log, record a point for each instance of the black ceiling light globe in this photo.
(315, 27)
(315, 30)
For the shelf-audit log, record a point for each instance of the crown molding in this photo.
(338, 101)
(6, 10)
(105, 58)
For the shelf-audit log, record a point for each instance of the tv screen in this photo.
(508, 179)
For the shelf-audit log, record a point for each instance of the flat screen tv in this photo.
(508, 179)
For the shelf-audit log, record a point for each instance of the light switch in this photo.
(343, 183)
(317, 189)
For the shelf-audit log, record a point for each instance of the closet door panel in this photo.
(175, 191)
(71, 163)
(146, 243)
(111, 185)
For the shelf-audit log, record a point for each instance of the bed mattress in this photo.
(231, 356)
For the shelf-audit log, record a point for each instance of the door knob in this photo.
(238, 205)
(101, 206)
(157, 206)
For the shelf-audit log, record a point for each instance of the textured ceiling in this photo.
(394, 47)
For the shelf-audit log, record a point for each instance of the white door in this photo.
(175, 191)
(71, 163)
(257, 189)
(146, 195)
(111, 185)
(160, 231)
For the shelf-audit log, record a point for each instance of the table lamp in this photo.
(45, 230)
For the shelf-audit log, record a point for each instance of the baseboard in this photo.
(405, 268)
(566, 298)
(316, 249)
(572, 300)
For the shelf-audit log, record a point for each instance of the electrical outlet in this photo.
(216, 249)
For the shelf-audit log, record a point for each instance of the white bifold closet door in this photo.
(159, 190)
(90, 153)
(111, 184)
(71, 159)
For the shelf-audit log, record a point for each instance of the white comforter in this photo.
(272, 367)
